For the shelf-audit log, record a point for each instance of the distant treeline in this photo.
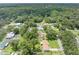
(54, 5)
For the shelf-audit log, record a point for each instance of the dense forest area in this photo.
(64, 17)
(10, 12)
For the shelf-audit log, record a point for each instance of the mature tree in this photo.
(14, 45)
(51, 33)
(30, 44)
(37, 19)
(3, 33)
(16, 30)
(23, 29)
(69, 43)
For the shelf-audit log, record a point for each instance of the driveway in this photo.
(1, 53)
(60, 44)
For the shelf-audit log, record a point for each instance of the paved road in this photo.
(54, 49)
(77, 38)
(0, 52)
(60, 44)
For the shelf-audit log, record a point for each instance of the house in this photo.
(40, 28)
(17, 25)
(10, 35)
(6, 41)
(45, 45)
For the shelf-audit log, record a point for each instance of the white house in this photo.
(10, 35)
(40, 28)
(17, 25)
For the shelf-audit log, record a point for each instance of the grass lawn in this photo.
(53, 43)
(57, 53)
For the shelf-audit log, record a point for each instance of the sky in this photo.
(39, 1)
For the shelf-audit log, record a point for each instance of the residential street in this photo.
(0, 52)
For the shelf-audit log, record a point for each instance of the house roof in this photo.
(9, 35)
(45, 44)
(40, 28)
